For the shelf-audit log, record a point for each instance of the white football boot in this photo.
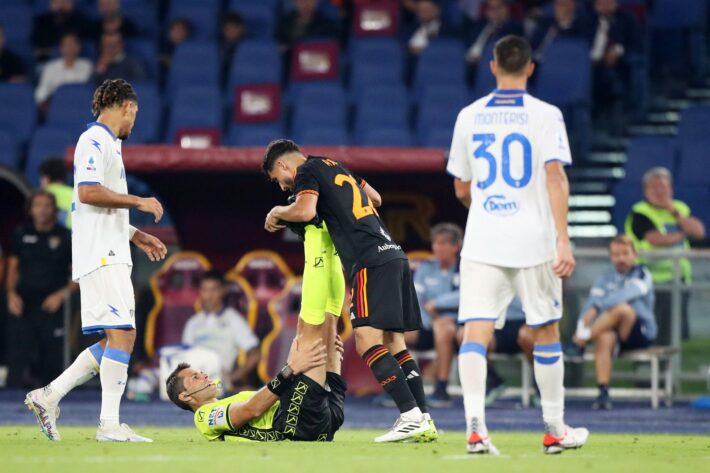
(119, 433)
(45, 413)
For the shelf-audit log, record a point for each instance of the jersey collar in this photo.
(509, 91)
(102, 125)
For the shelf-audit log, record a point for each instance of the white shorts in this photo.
(107, 299)
(486, 293)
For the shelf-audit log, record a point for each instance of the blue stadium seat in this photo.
(144, 15)
(70, 108)
(646, 152)
(194, 63)
(626, 194)
(195, 107)
(145, 51)
(678, 36)
(438, 137)
(46, 142)
(319, 105)
(564, 75)
(9, 155)
(150, 114)
(693, 162)
(234, 5)
(325, 136)
(254, 62)
(387, 136)
(485, 81)
(697, 197)
(253, 135)
(694, 123)
(441, 63)
(18, 113)
(439, 107)
(381, 107)
(375, 61)
(259, 19)
(202, 15)
(16, 22)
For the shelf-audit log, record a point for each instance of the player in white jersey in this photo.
(102, 263)
(507, 157)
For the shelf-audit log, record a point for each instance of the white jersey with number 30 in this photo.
(501, 144)
(99, 235)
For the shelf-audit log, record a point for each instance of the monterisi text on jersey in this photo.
(502, 118)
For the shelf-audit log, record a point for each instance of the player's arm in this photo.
(15, 305)
(463, 192)
(151, 246)
(100, 196)
(299, 361)
(303, 210)
(372, 194)
(558, 190)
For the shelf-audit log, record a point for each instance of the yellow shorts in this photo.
(323, 282)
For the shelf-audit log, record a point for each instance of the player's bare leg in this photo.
(549, 374)
(335, 361)
(473, 369)
(395, 343)
(307, 334)
(114, 373)
(44, 402)
(369, 342)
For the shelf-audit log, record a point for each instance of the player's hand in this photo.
(15, 305)
(302, 359)
(151, 246)
(150, 205)
(340, 347)
(564, 263)
(271, 223)
(53, 302)
(430, 307)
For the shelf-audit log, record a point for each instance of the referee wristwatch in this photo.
(286, 371)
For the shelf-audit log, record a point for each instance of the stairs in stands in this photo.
(592, 180)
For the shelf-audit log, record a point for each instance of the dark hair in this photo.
(184, 22)
(232, 17)
(452, 231)
(39, 193)
(54, 168)
(275, 150)
(175, 386)
(512, 54)
(213, 275)
(110, 93)
(70, 33)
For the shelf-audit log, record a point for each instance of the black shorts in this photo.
(425, 340)
(383, 297)
(507, 337)
(309, 412)
(637, 337)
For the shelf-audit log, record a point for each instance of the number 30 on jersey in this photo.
(482, 152)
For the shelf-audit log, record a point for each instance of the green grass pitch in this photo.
(24, 449)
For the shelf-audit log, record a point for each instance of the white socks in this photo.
(85, 367)
(473, 370)
(114, 373)
(549, 375)
(413, 415)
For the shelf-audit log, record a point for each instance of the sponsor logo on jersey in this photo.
(54, 242)
(90, 166)
(500, 205)
(216, 417)
(384, 234)
(390, 246)
(318, 263)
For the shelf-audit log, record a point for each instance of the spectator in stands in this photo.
(114, 63)
(515, 337)
(619, 310)
(224, 330)
(233, 32)
(48, 28)
(67, 69)
(179, 31)
(661, 223)
(429, 25)
(496, 24)
(53, 179)
(566, 22)
(37, 281)
(112, 21)
(437, 285)
(12, 69)
(303, 22)
(614, 37)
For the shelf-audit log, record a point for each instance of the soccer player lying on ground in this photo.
(384, 303)
(303, 402)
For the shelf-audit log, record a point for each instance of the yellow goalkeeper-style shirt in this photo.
(212, 420)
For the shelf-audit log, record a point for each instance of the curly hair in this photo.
(274, 151)
(112, 92)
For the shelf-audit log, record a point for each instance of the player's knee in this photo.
(624, 310)
(549, 333)
(606, 340)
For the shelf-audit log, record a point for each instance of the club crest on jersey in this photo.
(500, 205)
(216, 417)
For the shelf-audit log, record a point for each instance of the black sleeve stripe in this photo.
(229, 421)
